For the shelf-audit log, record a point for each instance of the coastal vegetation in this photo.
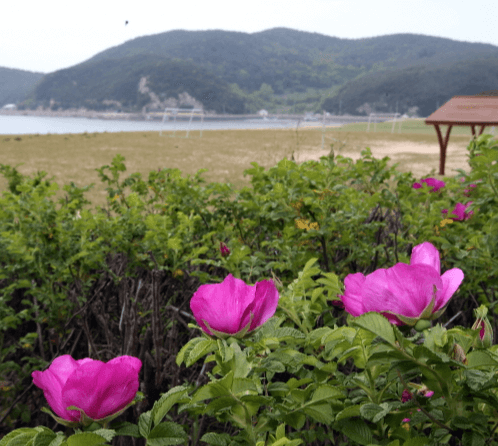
(224, 153)
(330, 302)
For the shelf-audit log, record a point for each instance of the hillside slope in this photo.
(16, 84)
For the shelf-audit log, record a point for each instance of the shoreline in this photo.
(318, 120)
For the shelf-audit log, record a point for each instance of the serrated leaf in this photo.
(356, 430)
(200, 349)
(128, 429)
(165, 434)
(288, 332)
(145, 424)
(17, 432)
(348, 412)
(480, 358)
(185, 350)
(214, 389)
(416, 441)
(374, 412)
(58, 440)
(216, 439)
(23, 439)
(320, 412)
(294, 419)
(376, 324)
(218, 404)
(85, 439)
(280, 432)
(166, 402)
(44, 438)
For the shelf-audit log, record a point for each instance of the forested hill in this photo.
(15, 84)
(277, 69)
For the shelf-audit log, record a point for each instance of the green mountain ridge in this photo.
(16, 84)
(278, 69)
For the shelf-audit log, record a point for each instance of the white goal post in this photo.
(182, 112)
(382, 116)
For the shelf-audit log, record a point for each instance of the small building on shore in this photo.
(9, 107)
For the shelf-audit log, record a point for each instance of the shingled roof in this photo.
(480, 110)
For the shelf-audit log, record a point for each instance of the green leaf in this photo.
(19, 437)
(288, 332)
(57, 441)
(127, 429)
(214, 389)
(165, 434)
(320, 412)
(26, 431)
(145, 424)
(374, 412)
(85, 439)
(376, 324)
(166, 402)
(435, 337)
(216, 439)
(219, 404)
(357, 430)
(473, 439)
(201, 349)
(479, 358)
(195, 349)
(348, 412)
(108, 434)
(416, 441)
(280, 432)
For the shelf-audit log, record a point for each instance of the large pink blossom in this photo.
(431, 182)
(233, 307)
(100, 389)
(404, 293)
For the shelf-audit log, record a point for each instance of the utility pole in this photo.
(340, 106)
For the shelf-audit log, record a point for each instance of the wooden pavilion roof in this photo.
(480, 110)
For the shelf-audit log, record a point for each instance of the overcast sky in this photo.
(47, 35)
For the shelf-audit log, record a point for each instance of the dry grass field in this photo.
(227, 153)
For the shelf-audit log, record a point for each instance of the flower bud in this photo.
(459, 354)
(485, 338)
(224, 250)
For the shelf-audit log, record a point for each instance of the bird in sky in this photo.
(126, 23)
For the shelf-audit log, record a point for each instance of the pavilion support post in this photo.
(482, 130)
(473, 128)
(443, 143)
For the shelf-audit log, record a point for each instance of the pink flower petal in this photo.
(52, 380)
(264, 304)
(227, 307)
(426, 254)
(403, 289)
(102, 389)
(451, 281)
(353, 298)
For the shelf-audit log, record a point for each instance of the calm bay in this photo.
(25, 125)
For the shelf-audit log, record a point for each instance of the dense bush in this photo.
(117, 281)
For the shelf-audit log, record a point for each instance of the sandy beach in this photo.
(407, 154)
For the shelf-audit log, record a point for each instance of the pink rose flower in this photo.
(404, 293)
(460, 212)
(431, 182)
(100, 389)
(233, 307)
